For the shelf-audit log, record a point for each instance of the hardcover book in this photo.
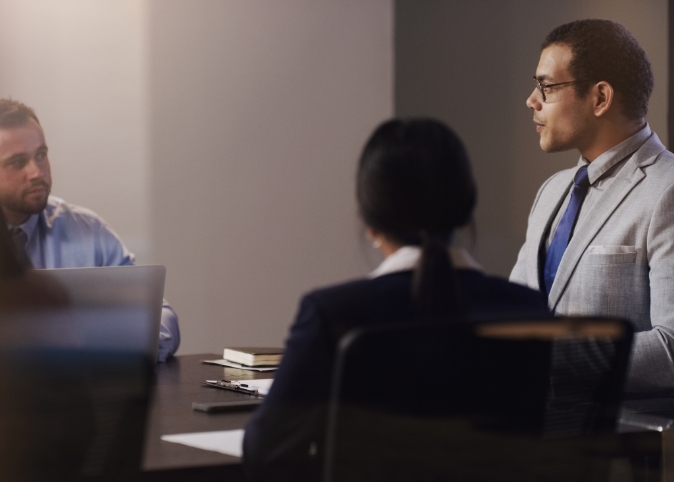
(254, 356)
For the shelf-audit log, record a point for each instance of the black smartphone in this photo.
(227, 406)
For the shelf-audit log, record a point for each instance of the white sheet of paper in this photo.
(228, 442)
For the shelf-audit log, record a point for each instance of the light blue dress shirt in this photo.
(68, 236)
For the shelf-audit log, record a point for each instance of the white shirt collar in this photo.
(407, 257)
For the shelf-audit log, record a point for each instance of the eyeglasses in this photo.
(543, 87)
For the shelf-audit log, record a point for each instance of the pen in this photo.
(234, 385)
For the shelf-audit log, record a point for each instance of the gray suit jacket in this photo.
(620, 260)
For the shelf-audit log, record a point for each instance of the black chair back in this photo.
(487, 401)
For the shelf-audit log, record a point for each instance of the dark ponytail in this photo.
(435, 287)
(415, 186)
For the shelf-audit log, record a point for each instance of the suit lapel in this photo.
(628, 177)
(543, 217)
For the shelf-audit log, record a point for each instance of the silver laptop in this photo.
(120, 289)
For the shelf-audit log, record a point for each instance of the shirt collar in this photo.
(29, 226)
(407, 257)
(615, 154)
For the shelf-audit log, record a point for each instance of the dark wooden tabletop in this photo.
(178, 385)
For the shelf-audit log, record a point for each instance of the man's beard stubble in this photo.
(23, 205)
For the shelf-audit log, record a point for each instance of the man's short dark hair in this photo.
(14, 114)
(605, 50)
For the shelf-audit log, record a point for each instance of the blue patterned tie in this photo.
(565, 228)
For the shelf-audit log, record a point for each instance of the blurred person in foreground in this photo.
(414, 188)
(47, 231)
(22, 288)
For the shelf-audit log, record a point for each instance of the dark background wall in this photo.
(471, 62)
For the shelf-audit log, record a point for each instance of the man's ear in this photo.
(602, 98)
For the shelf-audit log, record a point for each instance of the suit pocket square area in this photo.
(611, 250)
(611, 254)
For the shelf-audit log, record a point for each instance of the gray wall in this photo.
(470, 63)
(258, 113)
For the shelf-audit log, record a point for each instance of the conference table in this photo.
(179, 384)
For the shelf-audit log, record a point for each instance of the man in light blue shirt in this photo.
(49, 232)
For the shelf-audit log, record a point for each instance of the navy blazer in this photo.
(285, 437)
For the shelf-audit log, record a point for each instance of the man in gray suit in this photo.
(600, 239)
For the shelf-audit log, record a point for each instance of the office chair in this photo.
(507, 401)
(75, 394)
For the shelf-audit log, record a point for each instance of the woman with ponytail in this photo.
(414, 188)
